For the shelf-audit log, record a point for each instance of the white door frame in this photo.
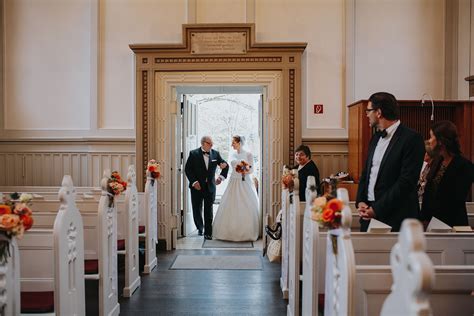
(166, 111)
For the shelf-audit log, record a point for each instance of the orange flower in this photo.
(328, 215)
(288, 181)
(335, 205)
(22, 209)
(5, 209)
(9, 221)
(27, 221)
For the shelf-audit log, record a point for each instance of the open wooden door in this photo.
(190, 142)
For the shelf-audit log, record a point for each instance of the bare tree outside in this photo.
(223, 115)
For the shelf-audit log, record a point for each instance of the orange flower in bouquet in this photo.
(288, 180)
(15, 219)
(327, 213)
(243, 168)
(115, 184)
(154, 168)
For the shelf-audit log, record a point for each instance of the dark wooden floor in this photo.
(207, 292)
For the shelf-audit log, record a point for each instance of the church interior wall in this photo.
(68, 73)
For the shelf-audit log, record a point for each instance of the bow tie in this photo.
(205, 152)
(382, 134)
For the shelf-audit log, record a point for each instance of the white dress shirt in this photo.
(380, 150)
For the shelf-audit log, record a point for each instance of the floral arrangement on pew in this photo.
(115, 186)
(288, 179)
(327, 212)
(243, 168)
(154, 168)
(15, 219)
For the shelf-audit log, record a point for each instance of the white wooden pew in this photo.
(151, 223)
(100, 242)
(411, 285)
(361, 289)
(127, 221)
(309, 295)
(53, 260)
(294, 251)
(285, 203)
(130, 229)
(10, 281)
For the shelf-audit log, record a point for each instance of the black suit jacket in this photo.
(195, 169)
(448, 202)
(395, 191)
(310, 169)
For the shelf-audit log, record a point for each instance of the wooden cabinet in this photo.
(413, 115)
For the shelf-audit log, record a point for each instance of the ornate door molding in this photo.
(216, 54)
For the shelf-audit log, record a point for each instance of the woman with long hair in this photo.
(449, 179)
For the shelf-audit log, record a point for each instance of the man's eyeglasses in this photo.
(367, 111)
(209, 143)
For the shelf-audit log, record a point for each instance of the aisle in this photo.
(207, 292)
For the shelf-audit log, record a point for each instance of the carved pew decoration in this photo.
(151, 219)
(10, 282)
(335, 214)
(413, 273)
(108, 283)
(132, 277)
(310, 254)
(287, 187)
(294, 248)
(69, 295)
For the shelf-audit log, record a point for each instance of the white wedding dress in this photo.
(237, 216)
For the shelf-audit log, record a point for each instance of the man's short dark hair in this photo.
(387, 104)
(304, 149)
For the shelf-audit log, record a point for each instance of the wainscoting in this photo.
(43, 163)
(329, 155)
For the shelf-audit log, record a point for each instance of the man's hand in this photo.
(218, 181)
(197, 186)
(223, 165)
(367, 214)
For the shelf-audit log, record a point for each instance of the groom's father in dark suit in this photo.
(387, 186)
(200, 170)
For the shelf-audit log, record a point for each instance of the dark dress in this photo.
(447, 200)
(310, 169)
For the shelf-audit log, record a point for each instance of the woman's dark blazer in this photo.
(448, 203)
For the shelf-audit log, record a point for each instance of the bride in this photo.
(237, 216)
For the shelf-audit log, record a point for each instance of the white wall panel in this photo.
(123, 23)
(399, 48)
(47, 62)
(220, 11)
(320, 23)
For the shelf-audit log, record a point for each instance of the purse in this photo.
(274, 250)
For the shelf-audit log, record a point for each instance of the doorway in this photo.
(219, 112)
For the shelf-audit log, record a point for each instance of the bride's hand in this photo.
(223, 165)
(218, 181)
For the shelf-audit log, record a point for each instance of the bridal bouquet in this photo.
(243, 168)
(15, 219)
(154, 168)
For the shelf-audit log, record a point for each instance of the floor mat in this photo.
(204, 262)
(216, 243)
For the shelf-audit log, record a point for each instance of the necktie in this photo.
(205, 153)
(382, 134)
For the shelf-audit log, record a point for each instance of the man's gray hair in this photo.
(205, 138)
